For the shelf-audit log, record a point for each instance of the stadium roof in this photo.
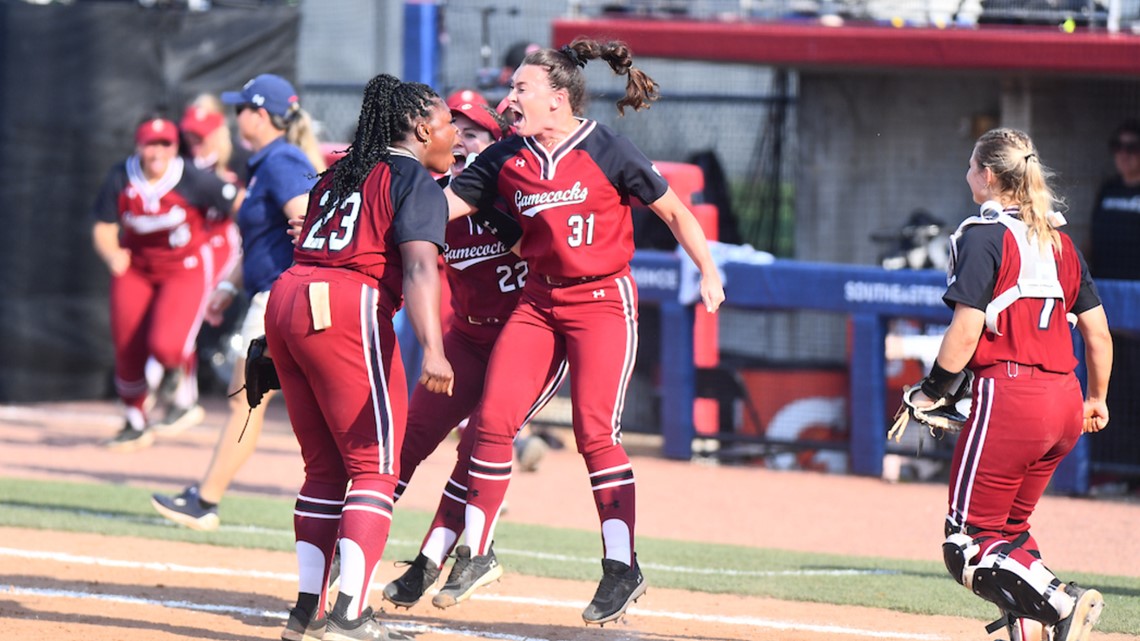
(985, 48)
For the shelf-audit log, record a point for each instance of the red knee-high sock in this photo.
(365, 523)
(488, 475)
(615, 495)
(316, 521)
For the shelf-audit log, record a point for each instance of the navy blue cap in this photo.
(270, 92)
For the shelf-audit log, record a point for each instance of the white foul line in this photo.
(753, 622)
(249, 612)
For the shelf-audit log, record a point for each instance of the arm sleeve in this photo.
(1087, 295)
(631, 171)
(975, 273)
(421, 208)
(209, 192)
(478, 184)
(106, 206)
(500, 223)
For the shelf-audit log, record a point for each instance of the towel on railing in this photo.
(689, 291)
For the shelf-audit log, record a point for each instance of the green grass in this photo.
(908, 586)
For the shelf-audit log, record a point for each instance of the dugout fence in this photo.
(870, 297)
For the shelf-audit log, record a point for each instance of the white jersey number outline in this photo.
(581, 230)
(315, 239)
(512, 278)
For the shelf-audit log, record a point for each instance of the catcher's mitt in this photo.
(947, 414)
(260, 375)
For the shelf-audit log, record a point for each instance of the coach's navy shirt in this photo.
(279, 172)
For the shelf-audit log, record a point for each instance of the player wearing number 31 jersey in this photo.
(569, 182)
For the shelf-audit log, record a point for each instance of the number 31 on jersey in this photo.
(581, 230)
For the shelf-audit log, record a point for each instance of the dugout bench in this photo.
(870, 296)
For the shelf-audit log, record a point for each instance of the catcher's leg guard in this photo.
(957, 551)
(1032, 592)
(1019, 628)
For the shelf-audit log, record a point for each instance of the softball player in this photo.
(210, 147)
(486, 281)
(271, 120)
(150, 226)
(374, 229)
(569, 182)
(1015, 285)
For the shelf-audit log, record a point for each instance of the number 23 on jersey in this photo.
(335, 237)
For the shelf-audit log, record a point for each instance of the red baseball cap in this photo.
(200, 121)
(156, 131)
(481, 115)
(462, 97)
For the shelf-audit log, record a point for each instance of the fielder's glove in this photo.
(947, 414)
(260, 375)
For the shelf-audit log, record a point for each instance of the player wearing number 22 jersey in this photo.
(579, 299)
(486, 280)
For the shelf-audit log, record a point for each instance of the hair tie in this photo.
(1029, 155)
(572, 54)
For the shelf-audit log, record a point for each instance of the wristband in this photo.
(228, 287)
(937, 384)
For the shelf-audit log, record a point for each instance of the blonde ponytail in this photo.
(1022, 180)
(298, 128)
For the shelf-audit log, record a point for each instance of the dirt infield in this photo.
(95, 588)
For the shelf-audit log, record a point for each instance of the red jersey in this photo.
(485, 277)
(572, 202)
(163, 223)
(1031, 331)
(398, 202)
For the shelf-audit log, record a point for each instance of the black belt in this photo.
(484, 320)
(566, 282)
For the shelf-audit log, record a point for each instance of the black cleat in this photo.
(407, 590)
(365, 628)
(302, 627)
(467, 574)
(187, 509)
(129, 439)
(621, 585)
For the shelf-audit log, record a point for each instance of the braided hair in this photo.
(388, 114)
(1021, 178)
(564, 68)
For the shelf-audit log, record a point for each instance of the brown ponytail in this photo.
(564, 68)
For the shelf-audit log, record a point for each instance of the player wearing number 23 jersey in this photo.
(348, 273)
(370, 240)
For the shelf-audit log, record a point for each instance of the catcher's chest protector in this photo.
(1038, 275)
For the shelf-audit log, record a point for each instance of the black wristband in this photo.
(937, 383)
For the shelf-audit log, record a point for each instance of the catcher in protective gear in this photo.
(260, 375)
(940, 402)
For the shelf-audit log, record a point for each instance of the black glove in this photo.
(947, 414)
(260, 375)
